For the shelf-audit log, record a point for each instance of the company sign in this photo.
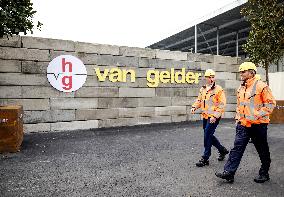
(66, 73)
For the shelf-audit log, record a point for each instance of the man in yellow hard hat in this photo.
(212, 101)
(255, 103)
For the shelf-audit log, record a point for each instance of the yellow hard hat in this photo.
(258, 77)
(209, 72)
(247, 66)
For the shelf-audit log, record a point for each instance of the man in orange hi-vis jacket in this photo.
(255, 103)
(212, 101)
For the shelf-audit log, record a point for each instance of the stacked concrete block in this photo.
(23, 81)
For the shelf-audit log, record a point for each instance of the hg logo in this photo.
(66, 73)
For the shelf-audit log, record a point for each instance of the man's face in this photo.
(245, 75)
(210, 80)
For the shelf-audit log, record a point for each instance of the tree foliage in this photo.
(16, 16)
(265, 44)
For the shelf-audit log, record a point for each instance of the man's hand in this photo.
(212, 120)
(192, 110)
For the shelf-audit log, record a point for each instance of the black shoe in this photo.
(202, 162)
(223, 154)
(229, 177)
(262, 178)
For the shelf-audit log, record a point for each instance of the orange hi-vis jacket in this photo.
(254, 103)
(212, 101)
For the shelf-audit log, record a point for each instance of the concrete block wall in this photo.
(23, 80)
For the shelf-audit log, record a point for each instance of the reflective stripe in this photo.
(263, 113)
(269, 105)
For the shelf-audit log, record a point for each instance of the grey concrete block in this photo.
(154, 120)
(192, 92)
(179, 118)
(86, 92)
(117, 122)
(108, 60)
(170, 110)
(220, 82)
(136, 112)
(73, 103)
(74, 125)
(47, 43)
(231, 99)
(171, 92)
(34, 67)
(44, 92)
(229, 115)
(154, 102)
(28, 104)
(230, 107)
(49, 116)
(205, 66)
(136, 92)
(24, 54)
(10, 41)
(231, 68)
(147, 63)
(199, 57)
(232, 84)
(222, 59)
(226, 75)
(230, 91)
(177, 65)
(62, 115)
(23, 79)
(54, 54)
(37, 128)
(174, 55)
(137, 52)
(96, 114)
(13, 66)
(96, 48)
(10, 92)
(182, 101)
(117, 102)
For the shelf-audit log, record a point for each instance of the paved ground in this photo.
(154, 160)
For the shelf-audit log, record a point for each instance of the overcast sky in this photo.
(119, 22)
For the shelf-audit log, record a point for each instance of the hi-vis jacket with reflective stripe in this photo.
(254, 103)
(212, 101)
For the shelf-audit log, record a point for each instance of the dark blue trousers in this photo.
(258, 134)
(209, 138)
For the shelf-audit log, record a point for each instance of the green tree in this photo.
(16, 16)
(265, 44)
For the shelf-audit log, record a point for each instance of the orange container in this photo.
(277, 115)
(11, 128)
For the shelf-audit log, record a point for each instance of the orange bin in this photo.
(277, 115)
(11, 128)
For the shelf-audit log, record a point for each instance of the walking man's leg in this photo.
(209, 129)
(241, 141)
(259, 137)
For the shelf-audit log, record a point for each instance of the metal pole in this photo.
(195, 38)
(217, 40)
(237, 44)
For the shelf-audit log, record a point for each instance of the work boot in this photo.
(202, 162)
(229, 177)
(262, 178)
(223, 154)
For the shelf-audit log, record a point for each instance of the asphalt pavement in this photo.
(149, 160)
